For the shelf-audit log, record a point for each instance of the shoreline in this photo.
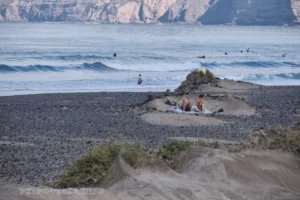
(125, 90)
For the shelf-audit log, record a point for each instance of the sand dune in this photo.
(175, 119)
(206, 174)
(229, 104)
(216, 174)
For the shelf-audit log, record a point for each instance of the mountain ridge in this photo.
(239, 12)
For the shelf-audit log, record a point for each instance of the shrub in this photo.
(201, 143)
(90, 169)
(242, 98)
(277, 137)
(236, 149)
(194, 79)
(170, 151)
(133, 154)
(217, 144)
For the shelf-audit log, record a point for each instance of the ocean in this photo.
(78, 57)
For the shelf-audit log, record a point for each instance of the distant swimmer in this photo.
(248, 50)
(115, 54)
(241, 51)
(284, 55)
(226, 53)
(201, 57)
(140, 80)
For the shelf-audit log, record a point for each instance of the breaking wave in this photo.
(252, 64)
(97, 66)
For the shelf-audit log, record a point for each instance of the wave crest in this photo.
(252, 64)
(97, 66)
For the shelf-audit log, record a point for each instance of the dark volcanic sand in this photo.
(40, 135)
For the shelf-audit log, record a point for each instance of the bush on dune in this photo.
(171, 152)
(196, 78)
(133, 155)
(90, 169)
(278, 137)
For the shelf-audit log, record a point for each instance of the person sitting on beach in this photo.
(140, 80)
(200, 104)
(185, 104)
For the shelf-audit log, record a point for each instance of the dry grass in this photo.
(278, 137)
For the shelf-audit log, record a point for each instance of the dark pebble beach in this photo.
(41, 135)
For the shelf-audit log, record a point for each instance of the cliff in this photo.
(252, 12)
(241, 12)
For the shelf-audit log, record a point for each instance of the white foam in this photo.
(154, 66)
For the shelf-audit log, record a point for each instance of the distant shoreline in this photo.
(143, 24)
(132, 90)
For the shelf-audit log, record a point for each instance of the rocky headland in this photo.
(239, 12)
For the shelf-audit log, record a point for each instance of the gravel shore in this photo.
(40, 135)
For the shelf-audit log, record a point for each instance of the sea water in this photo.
(78, 57)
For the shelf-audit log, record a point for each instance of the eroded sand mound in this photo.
(206, 174)
(216, 174)
(175, 119)
(229, 104)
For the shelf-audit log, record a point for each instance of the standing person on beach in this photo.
(200, 104)
(140, 80)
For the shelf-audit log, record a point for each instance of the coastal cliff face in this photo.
(253, 12)
(240, 12)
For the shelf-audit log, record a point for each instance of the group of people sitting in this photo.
(186, 105)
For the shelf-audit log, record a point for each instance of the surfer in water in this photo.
(140, 80)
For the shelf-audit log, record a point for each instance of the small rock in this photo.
(167, 93)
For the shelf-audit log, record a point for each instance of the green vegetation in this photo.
(242, 98)
(237, 149)
(217, 144)
(201, 143)
(277, 137)
(170, 152)
(133, 155)
(196, 78)
(90, 169)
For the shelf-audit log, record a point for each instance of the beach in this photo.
(43, 134)
(68, 89)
